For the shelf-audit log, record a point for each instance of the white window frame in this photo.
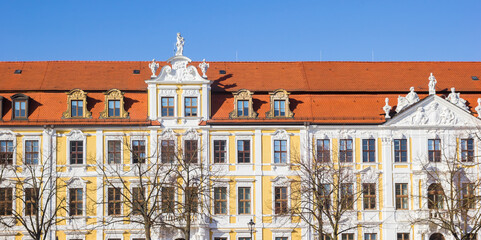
(108, 138)
(226, 139)
(77, 135)
(138, 138)
(220, 234)
(281, 135)
(166, 134)
(241, 137)
(280, 181)
(222, 182)
(77, 183)
(10, 184)
(115, 184)
(71, 235)
(8, 135)
(281, 233)
(191, 91)
(192, 134)
(32, 138)
(325, 137)
(245, 182)
(353, 149)
(167, 91)
(114, 234)
(408, 149)
(376, 150)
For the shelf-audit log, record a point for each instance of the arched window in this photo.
(77, 105)
(279, 105)
(435, 196)
(243, 105)
(114, 105)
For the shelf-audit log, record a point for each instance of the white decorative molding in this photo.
(7, 135)
(455, 99)
(478, 108)
(386, 109)
(168, 134)
(76, 135)
(433, 114)
(281, 134)
(167, 92)
(432, 84)
(404, 102)
(191, 134)
(281, 181)
(369, 175)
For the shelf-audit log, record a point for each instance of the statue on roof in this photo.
(203, 67)
(403, 102)
(387, 108)
(432, 84)
(455, 99)
(412, 96)
(153, 67)
(180, 45)
(478, 108)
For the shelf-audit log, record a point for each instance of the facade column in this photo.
(388, 211)
(152, 92)
(258, 184)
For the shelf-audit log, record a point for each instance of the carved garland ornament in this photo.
(114, 94)
(280, 95)
(241, 95)
(77, 95)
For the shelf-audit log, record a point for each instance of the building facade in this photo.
(250, 121)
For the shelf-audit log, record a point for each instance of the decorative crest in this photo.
(153, 67)
(203, 67)
(432, 84)
(454, 98)
(387, 109)
(478, 108)
(180, 45)
(403, 102)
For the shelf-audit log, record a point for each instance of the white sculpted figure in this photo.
(387, 109)
(412, 96)
(180, 45)
(432, 84)
(153, 67)
(419, 117)
(478, 108)
(203, 67)
(454, 98)
(402, 102)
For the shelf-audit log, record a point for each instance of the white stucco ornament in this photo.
(478, 108)
(432, 84)
(153, 67)
(455, 99)
(387, 109)
(180, 45)
(434, 114)
(403, 102)
(203, 67)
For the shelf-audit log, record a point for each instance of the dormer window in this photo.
(243, 105)
(279, 105)
(77, 105)
(114, 105)
(20, 106)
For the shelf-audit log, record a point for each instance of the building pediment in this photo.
(433, 111)
(179, 71)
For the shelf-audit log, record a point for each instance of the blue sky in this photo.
(339, 30)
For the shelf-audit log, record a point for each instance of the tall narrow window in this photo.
(114, 201)
(114, 151)
(76, 152)
(400, 150)
(138, 151)
(114, 108)
(31, 152)
(469, 197)
(31, 197)
(402, 196)
(219, 151)
(167, 196)
(6, 152)
(280, 151)
(324, 196)
(279, 108)
(347, 236)
(20, 109)
(220, 200)
(345, 151)
(167, 106)
(137, 200)
(467, 150)
(347, 195)
(190, 151)
(191, 199)
(323, 150)
(435, 196)
(326, 236)
(77, 108)
(370, 236)
(75, 201)
(280, 200)
(281, 238)
(369, 195)
(368, 150)
(244, 201)
(242, 108)
(243, 151)
(190, 107)
(6, 201)
(167, 151)
(434, 150)
(403, 236)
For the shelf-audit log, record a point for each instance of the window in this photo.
(114, 203)
(244, 201)
(20, 109)
(243, 151)
(280, 202)
(323, 150)
(138, 151)
(242, 108)
(167, 148)
(31, 201)
(6, 152)
(167, 197)
(76, 152)
(114, 108)
(324, 196)
(280, 151)
(220, 200)
(244, 238)
(368, 150)
(402, 196)
(31, 152)
(326, 236)
(114, 151)
(369, 195)
(281, 238)
(403, 236)
(167, 106)
(467, 150)
(279, 108)
(190, 151)
(345, 152)
(77, 108)
(347, 195)
(400, 150)
(468, 197)
(191, 199)
(6, 201)
(434, 150)
(347, 236)
(75, 201)
(435, 196)
(220, 238)
(219, 151)
(370, 236)
(190, 107)
(137, 200)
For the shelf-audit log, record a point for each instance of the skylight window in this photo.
(221, 71)
(475, 78)
(18, 71)
(136, 71)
